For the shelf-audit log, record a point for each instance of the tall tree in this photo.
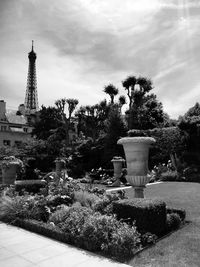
(92, 119)
(144, 109)
(112, 91)
(66, 120)
(122, 101)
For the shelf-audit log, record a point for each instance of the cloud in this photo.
(84, 44)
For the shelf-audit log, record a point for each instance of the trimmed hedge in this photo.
(149, 215)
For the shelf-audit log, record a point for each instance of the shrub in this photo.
(97, 231)
(85, 198)
(180, 212)
(31, 188)
(59, 215)
(73, 222)
(169, 176)
(148, 239)
(12, 208)
(173, 221)
(104, 205)
(125, 241)
(148, 214)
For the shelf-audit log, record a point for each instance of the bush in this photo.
(97, 231)
(31, 188)
(125, 241)
(169, 176)
(148, 239)
(173, 221)
(180, 212)
(59, 215)
(149, 215)
(85, 198)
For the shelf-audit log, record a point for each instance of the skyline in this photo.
(83, 45)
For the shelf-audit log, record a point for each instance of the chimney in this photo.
(2, 110)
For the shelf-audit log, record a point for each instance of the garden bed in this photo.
(88, 219)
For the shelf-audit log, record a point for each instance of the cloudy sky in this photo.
(82, 45)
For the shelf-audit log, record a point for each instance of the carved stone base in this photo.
(139, 192)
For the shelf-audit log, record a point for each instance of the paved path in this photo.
(21, 248)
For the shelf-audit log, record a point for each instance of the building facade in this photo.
(14, 129)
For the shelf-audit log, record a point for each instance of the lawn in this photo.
(182, 248)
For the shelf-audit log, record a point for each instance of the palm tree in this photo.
(112, 91)
(129, 85)
(122, 101)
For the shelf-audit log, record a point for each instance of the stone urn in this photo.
(10, 166)
(137, 153)
(60, 165)
(117, 164)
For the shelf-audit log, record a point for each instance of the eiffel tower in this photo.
(31, 99)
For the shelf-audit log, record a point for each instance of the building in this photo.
(15, 126)
(14, 129)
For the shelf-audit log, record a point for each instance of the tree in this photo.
(49, 120)
(190, 123)
(66, 120)
(115, 129)
(92, 119)
(112, 91)
(122, 101)
(144, 109)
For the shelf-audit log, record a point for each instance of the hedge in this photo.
(149, 215)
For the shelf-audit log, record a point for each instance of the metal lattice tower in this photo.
(31, 99)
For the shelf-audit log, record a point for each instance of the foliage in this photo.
(148, 239)
(30, 188)
(173, 221)
(66, 120)
(49, 120)
(150, 215)
(85, 198)
(190, 123)
(112, 91)
(170, 144)
(91, 119)
(169, 176)
(11, 160)
(145, 112)
(180, 212)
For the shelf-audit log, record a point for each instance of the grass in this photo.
(182, 247)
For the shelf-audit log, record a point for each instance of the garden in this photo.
(60, 187)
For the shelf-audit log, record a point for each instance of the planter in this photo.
(9, 173)
(60, 165)
(117, 164)
(137, 153)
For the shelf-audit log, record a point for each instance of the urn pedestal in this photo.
(9, 173)
(117, 164)
(137, 153)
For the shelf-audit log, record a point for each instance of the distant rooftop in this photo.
(13, 118)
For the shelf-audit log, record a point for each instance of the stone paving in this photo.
(21, 248)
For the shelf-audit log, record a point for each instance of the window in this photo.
(6, 142)
(3, 128)
(25, 130)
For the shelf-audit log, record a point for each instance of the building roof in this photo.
(16, 119)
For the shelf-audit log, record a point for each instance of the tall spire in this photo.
(32, 44)
(31, 99)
